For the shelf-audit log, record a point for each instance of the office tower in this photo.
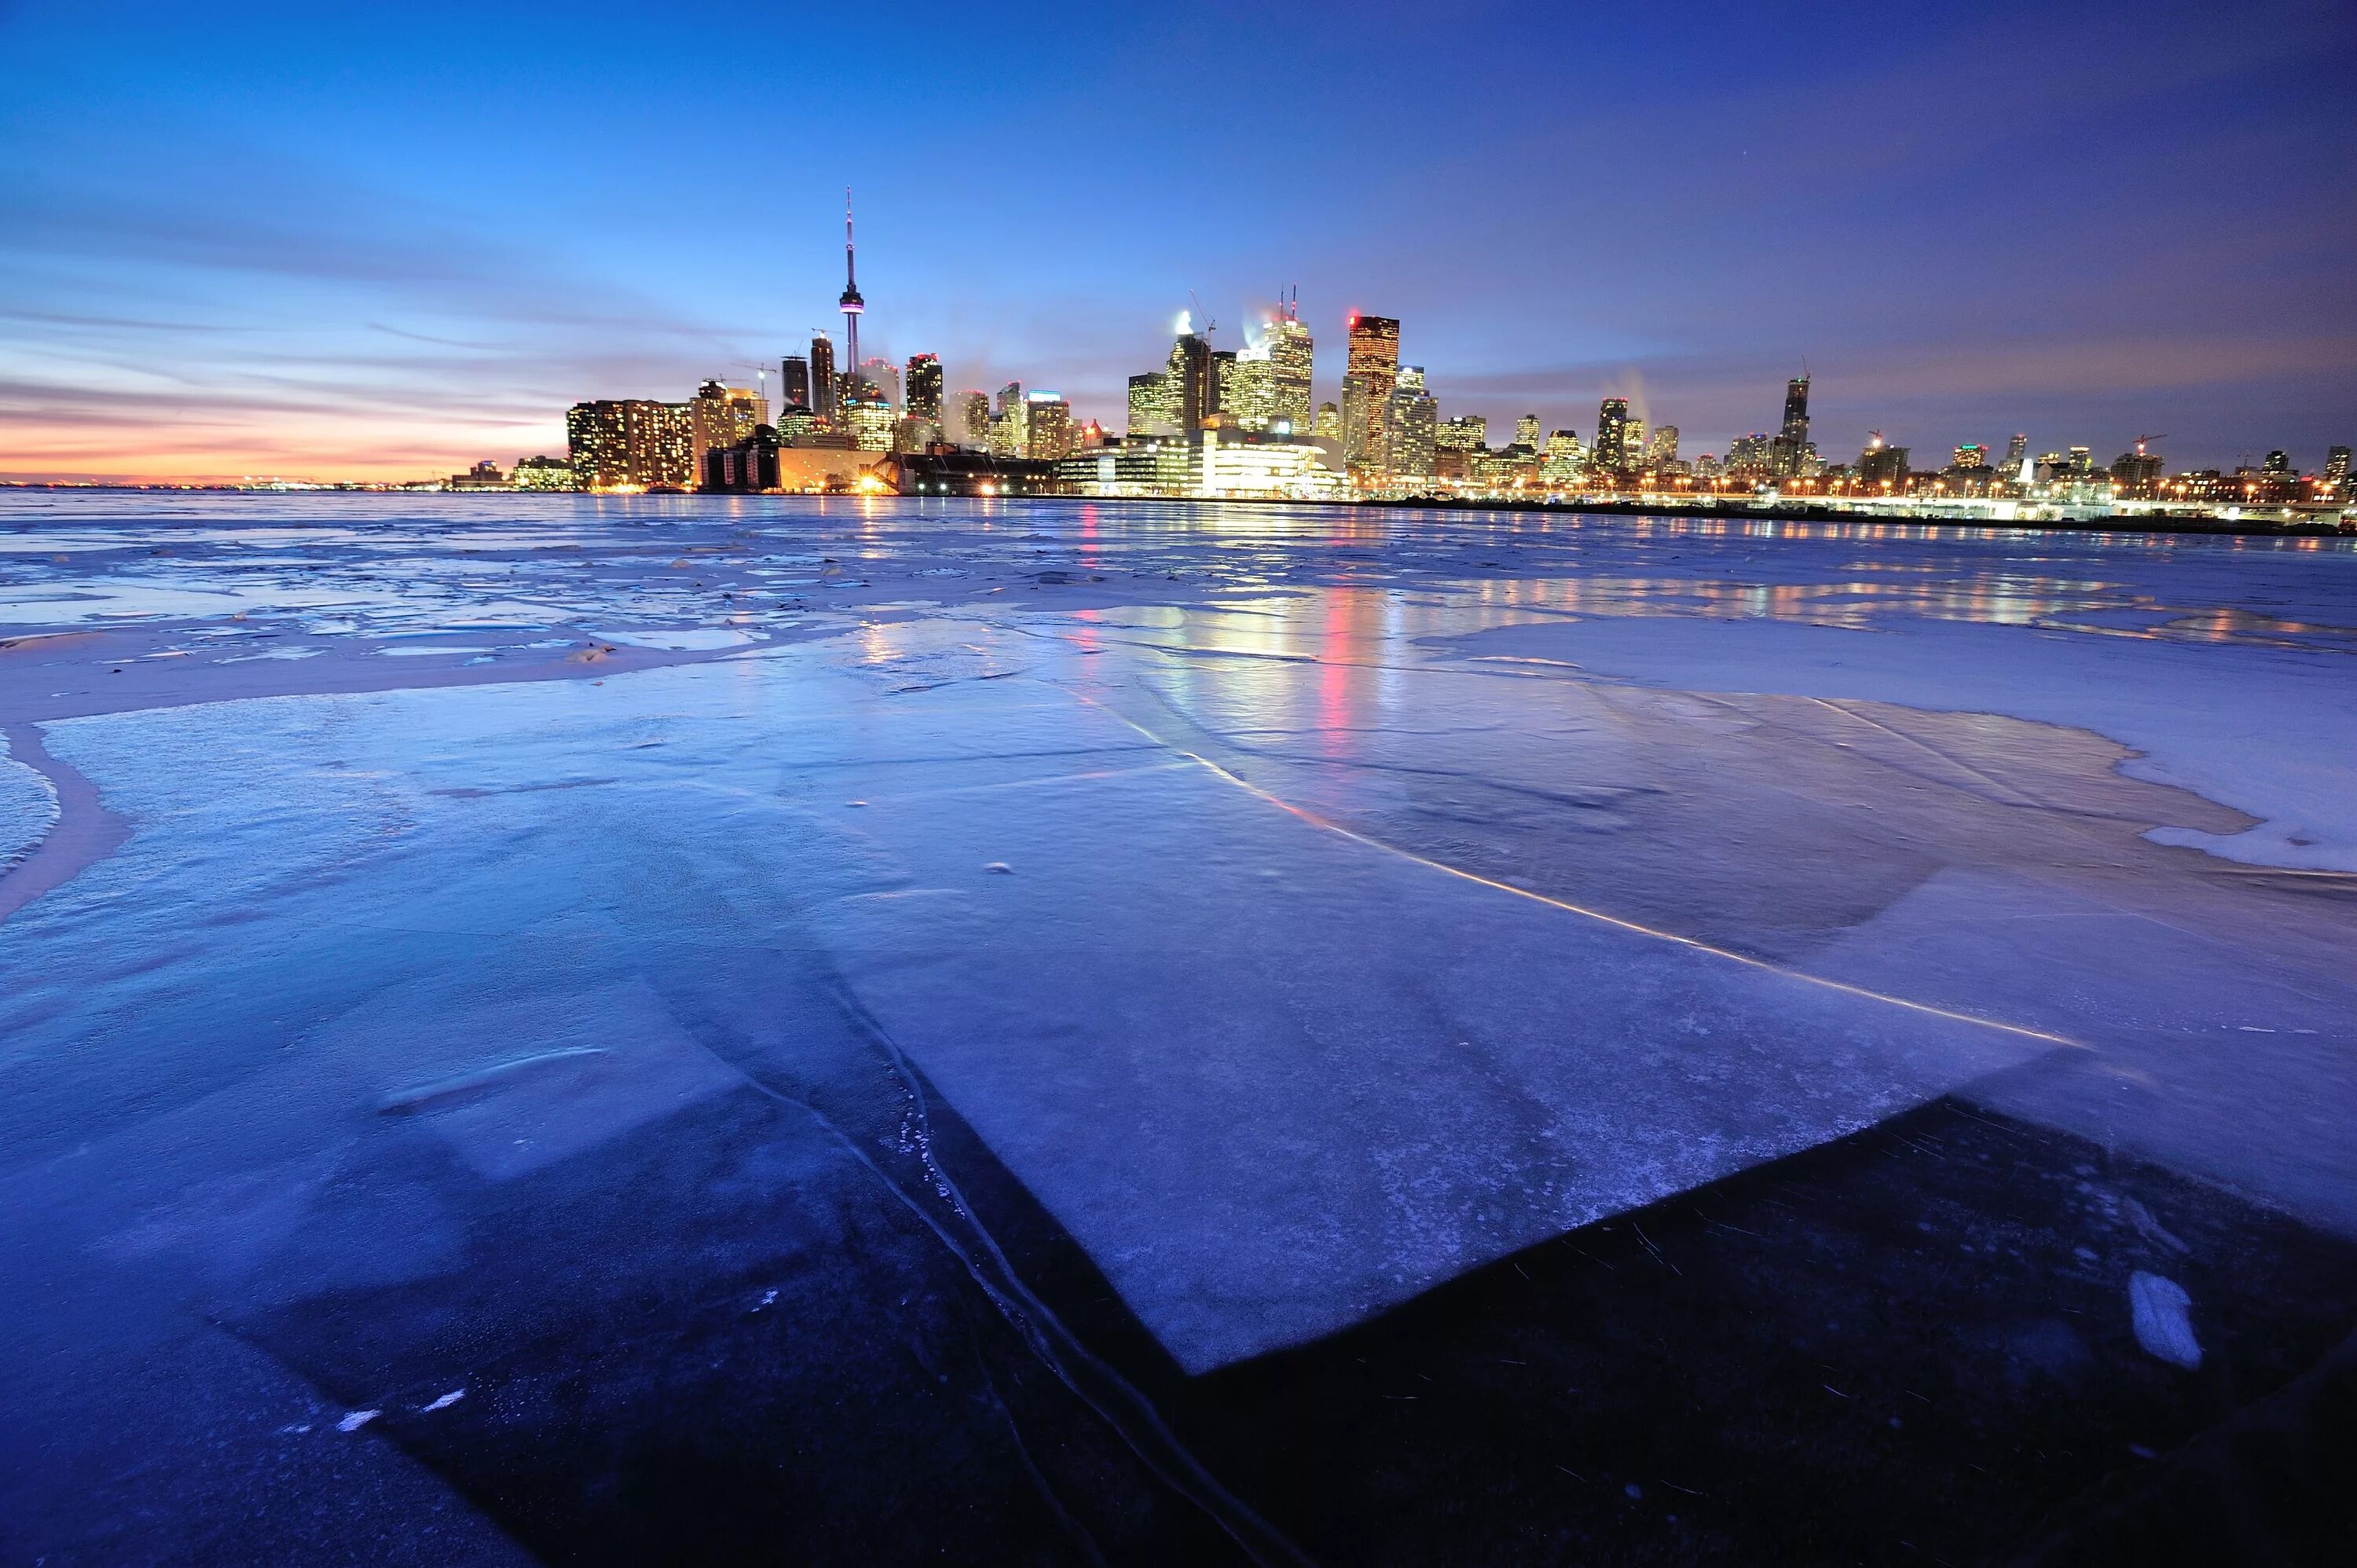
(1881, 462)
(1151, 409)
(2015, 450)
(885, 377)
(721, 416)
(972, 427)
(2082, 462)
(821, 376)
(1612, 453)
(1661, 447)
(1046, 427)
(1194, 393)
(1289, 353)
(630, 443)
(794, 382)
(1971, 455)
(1410, 425)
(1327, 423)
(852, 305)
(1010, 432)
(1526, 432)
(1247, 388)
(2336, 466)
(1632, 443)
(868, 417)
(1374, 361)
(1565, 457)
(2136, 472)
(1466, 433)
(1792, 437)
(924, 393)
(2277, 462)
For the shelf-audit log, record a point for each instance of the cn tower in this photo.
(851, 302)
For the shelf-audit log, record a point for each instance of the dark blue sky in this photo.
(337, 239)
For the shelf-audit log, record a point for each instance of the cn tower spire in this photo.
(851, 303)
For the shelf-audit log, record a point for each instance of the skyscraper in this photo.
(1047, 427)
(2336, 466)
(2277, 462)
(1010, 433)
(822, 373)
(1611, 432)
(1632, 444)
(1526, 432)
(1374, 360)
(924, 388)
(1466, 433)
(630, 443)
(1194, 393)
(2015, 450)
(853, 306)
(794, 381)
(1410, 425)
(1289, 355)
(1151, 407)
(972, 426)
(1663, 448)
(1247, 388)
(721, 416)
(885, 377)
(1792, 437)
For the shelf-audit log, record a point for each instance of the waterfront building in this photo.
(972, 426)
(1194, 392)
(868, 416)
(1046, 427)
(545, 474)
(797, 423)
(1373, 362)
(1153, 411)
(1465, 433)
(722, 416)
(1236, 463)
(631, 444)
(822, 377)
(1563, 459)
(924, 394)
(1410, 425)
(1612, 454)
(794, 382)
(1526, 432)
(1290, 356)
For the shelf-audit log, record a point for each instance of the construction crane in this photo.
(1209, 325)
(2142, 439)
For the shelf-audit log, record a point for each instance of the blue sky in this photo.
(339, 239)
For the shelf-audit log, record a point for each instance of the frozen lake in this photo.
(532, 1025)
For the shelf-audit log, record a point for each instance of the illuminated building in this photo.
(972, 427)
(545, 474)
(2136, 472)
(794, 382)
(1235, 463)
(2336, 466)
(1410, 425)
(1972, 454)
(484, 475)
(2278, 461)
(751, 465)
(1881, 462)
(1661, 449)
(1247, 389)
(822, 377)
(1151, 409)
(1327, 424)
(630, 443)
(1373, 362)
(852, 305)
(885, 377)
(1564, 458)
(1612, 454)
(722, 416)
(1526, 432)
(1752, 457)
(1289, 353)
(1194, 393)
(801, 427)
(1632, 444)
(924, 397)
(1010, 432)
(2015, 450)
(1046, 427)
(967, 474)
(1466, 433)
(1141, 466)
(1707, 466)
(1791, 444)
(868, 416)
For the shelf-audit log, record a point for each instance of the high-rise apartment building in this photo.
(1661, 446)
(924, 394)
(1792, 437)
(822, 377)
(1327, 423)
(867, 414)
(794, 382)
(1632, 444)
(1526, 432)
(1247, 388)
(1611, 435)
(1010, 433)
(630, 443)
(1373, 362)
(1046, 427)
(2336, 466)
(1410, 425)
(2277, 462)
(2015, 450)
(721, 416)
(972, 427)
(885, 377)
(1564, 458)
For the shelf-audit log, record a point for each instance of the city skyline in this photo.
(306, 267)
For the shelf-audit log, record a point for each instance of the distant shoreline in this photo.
(2255, 528)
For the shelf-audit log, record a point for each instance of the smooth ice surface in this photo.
(1304, 906)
